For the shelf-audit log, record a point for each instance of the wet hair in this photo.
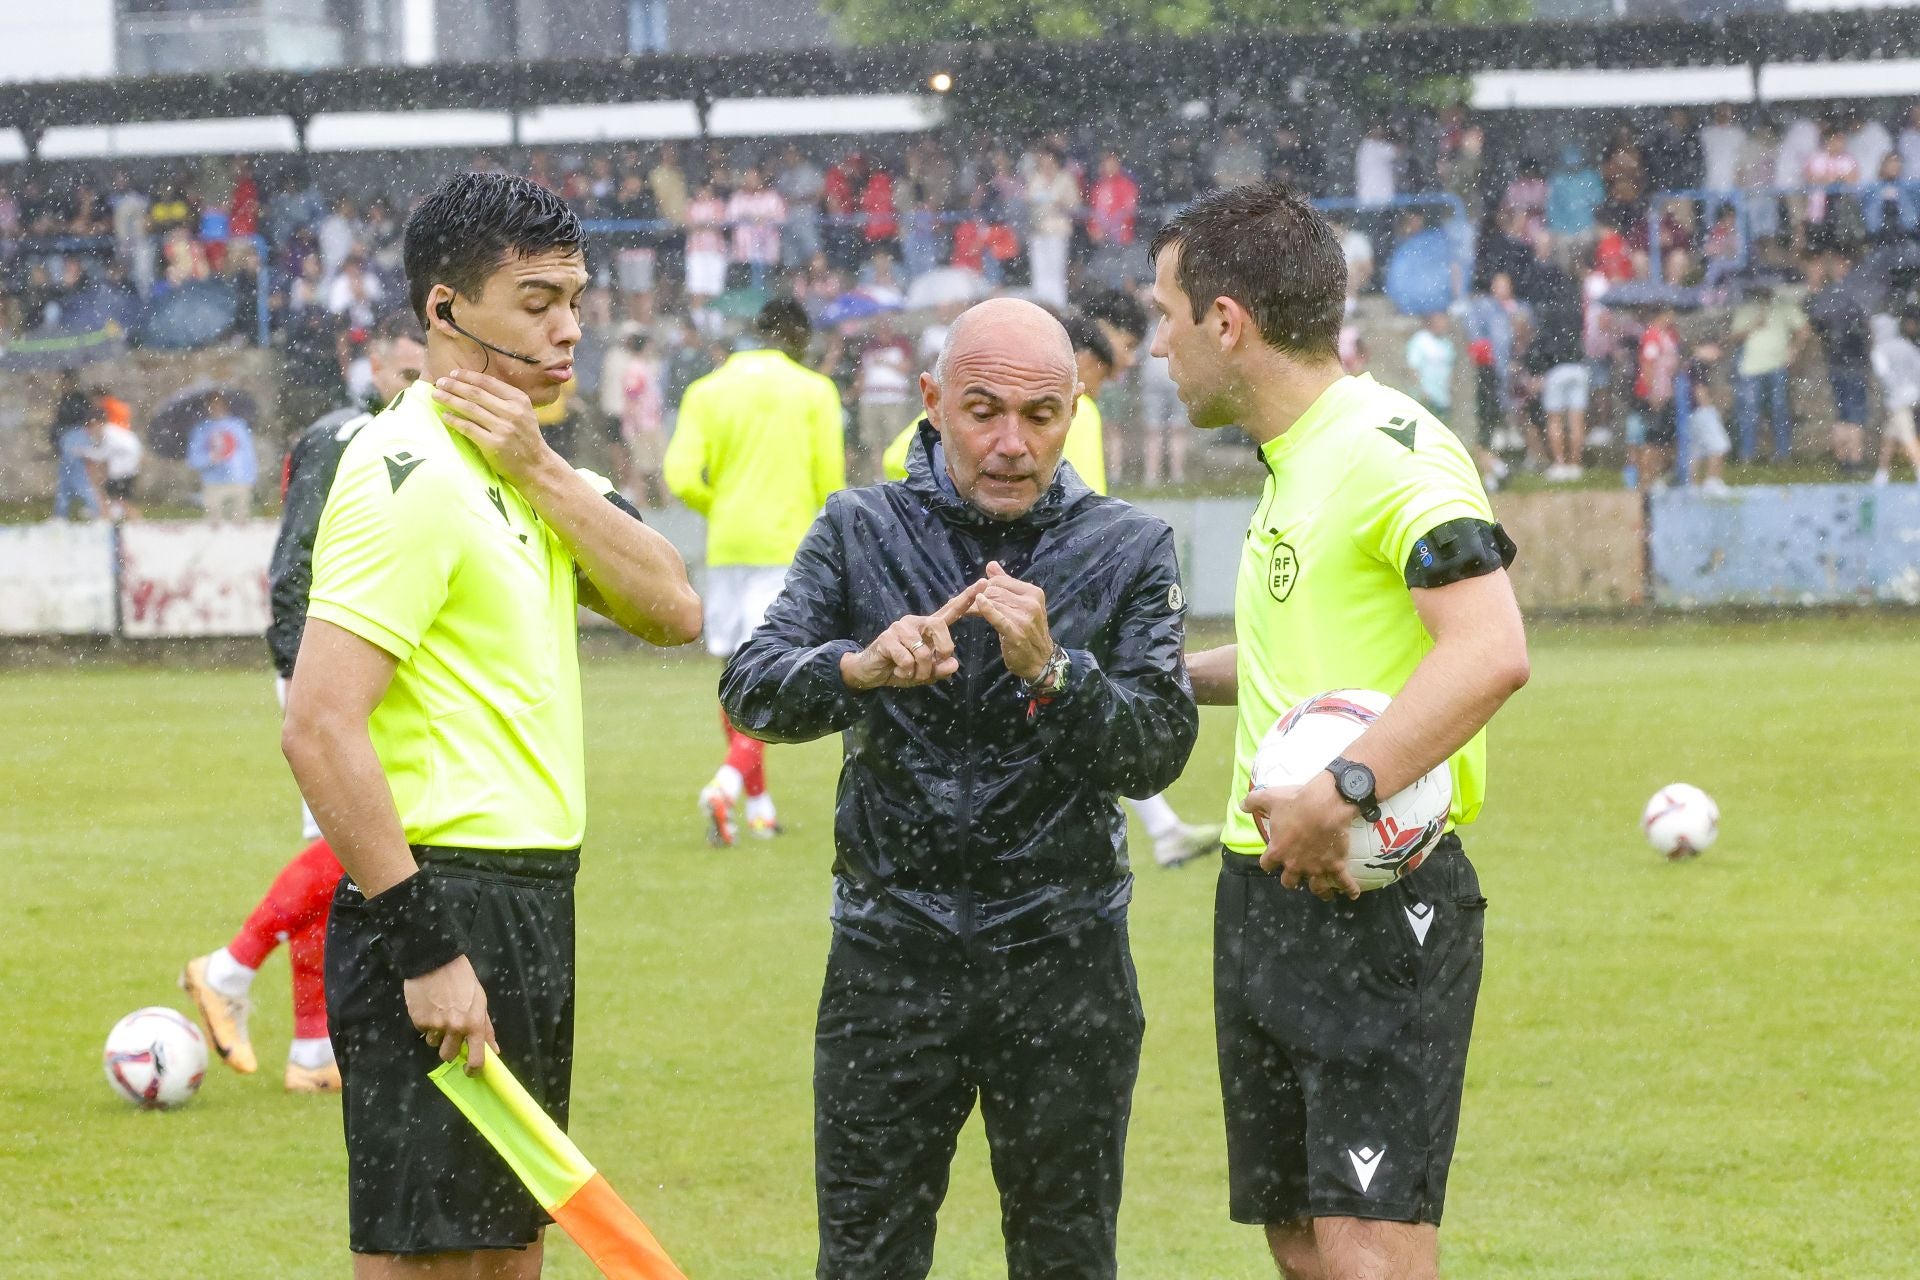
(1270, 251)
(1119, 309)
(1085, 335)
(395, 326)
(459, 235)
(784, 322)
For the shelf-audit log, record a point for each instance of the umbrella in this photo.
(193, 315)
(1651, 294)
(174, 421)
(740, 304)
(858, 305)
(944, 287)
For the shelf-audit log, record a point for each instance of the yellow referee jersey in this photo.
(1322, 600)
(424, 550)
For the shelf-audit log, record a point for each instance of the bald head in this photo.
(1002, 397)
(1012, 329)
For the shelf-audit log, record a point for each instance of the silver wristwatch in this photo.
(1052, 679)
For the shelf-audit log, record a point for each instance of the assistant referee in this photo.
(1373, 562)
(434, 725)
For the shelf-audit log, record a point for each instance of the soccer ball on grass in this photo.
(155, 1058)
(1305, 740)
(1681, 821)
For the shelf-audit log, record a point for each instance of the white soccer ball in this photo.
(155, 1058)
(1681, 821)
(1304, 741)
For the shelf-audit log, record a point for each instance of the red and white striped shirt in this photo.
(756, 217)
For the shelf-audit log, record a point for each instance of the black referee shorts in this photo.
(1342, 1030)
(420, 1178)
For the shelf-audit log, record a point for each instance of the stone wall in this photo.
(145, 379)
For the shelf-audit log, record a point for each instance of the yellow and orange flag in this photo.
(555, 1172)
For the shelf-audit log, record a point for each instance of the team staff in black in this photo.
(395, 356)
(1000, 648)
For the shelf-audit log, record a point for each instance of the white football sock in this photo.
(760, 807)
(311, 1054)
(228, 976)
(728, 779)
(1159, 816)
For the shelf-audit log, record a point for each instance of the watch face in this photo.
(1353, 784)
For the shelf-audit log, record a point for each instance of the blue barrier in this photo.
(1786, 545)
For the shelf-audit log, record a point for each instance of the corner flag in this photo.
(555, 1172)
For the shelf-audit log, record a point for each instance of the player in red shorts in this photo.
(295, 908)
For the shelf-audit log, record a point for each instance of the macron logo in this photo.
(399, 467)
(1366, 1161)
(1420, 916)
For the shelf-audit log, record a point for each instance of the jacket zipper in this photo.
(964, 904)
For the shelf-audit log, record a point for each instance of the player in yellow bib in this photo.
(1373, 562)
(759, 446)
(434, 725)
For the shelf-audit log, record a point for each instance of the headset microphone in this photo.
(445, 312)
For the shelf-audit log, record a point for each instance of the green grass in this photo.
(1683, 1071)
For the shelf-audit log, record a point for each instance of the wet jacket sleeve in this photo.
(290, 573)
(784, 684)
(1134, 716)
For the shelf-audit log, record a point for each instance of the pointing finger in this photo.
(955, 609)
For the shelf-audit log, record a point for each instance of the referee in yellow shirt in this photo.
(759, 445)
(1372, 562)
(434, 725)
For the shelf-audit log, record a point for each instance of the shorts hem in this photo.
(1372, 1211)
(419, 1250)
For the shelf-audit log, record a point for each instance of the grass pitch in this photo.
(1701, 1070)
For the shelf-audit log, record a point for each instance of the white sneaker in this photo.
(1188, 842)
(1881, 477)
(1600, 437)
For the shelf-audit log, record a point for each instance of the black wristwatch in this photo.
(1355, 784)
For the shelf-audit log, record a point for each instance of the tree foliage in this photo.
(923, 21)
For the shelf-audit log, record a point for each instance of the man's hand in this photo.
(1018, 611)
(449, 1007)
(499, 418)
(1306, 835)
(914, 651)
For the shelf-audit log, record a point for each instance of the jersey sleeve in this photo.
(387, 551)
(685, 465)
(1418, 477)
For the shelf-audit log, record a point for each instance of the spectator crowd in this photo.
(1613, 291)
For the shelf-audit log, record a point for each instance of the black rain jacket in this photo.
(967, 809)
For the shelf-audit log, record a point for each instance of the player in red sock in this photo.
(756, 450)
(293, 911)
(295, 907)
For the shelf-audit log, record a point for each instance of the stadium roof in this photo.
(1250, 62)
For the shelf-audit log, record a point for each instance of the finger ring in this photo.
(916, 646)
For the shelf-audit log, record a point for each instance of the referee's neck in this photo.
(1281, 395)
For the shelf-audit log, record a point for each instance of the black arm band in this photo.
(617, 499)
(1458, 550)
(417, 930)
